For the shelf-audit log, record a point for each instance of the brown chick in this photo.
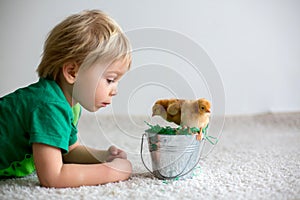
(195, 113)
(168, 109)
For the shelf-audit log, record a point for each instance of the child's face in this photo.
(108, 83)
(95, 87)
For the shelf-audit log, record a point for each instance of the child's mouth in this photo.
(104, 104)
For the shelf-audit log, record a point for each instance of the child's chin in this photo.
(92, 109)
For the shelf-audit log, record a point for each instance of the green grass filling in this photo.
(167, 130)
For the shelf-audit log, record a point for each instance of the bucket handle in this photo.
(160, 175)
(142, 144)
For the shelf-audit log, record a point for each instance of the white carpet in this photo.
(257, 157)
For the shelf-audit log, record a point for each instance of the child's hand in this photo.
(114, 152)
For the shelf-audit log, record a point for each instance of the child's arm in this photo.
(52, 172)
(86, 155)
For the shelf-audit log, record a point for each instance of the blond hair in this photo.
(90, 33)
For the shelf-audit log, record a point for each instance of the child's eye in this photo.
(109, 81)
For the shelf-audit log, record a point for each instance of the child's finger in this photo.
(113, 150)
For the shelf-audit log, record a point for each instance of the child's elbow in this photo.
(53, 181)
(48, 183)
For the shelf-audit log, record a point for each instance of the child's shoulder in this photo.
(46, 89)
(41, 92)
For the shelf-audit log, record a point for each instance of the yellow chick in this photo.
(195, 113)
(168, 109)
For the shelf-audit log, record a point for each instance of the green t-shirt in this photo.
(38, 113)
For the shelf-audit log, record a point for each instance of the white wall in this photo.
(254, 44)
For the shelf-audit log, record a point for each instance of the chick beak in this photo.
(208, 110)
(154, 113)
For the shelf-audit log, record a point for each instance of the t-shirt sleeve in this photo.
(51, 124)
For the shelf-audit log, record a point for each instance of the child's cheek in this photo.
(85, 88)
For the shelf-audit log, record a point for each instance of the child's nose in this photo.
(114, 92)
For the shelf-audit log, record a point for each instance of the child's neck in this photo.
(66, 89)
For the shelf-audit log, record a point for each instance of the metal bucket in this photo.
(172, 156)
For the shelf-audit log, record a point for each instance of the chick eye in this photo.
(202, 108)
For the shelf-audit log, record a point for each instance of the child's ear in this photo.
(70, 70)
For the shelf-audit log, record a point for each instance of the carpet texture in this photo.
(257, 157)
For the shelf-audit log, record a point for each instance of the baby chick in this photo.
(195, 113)
(168, 109)
(187, 113)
